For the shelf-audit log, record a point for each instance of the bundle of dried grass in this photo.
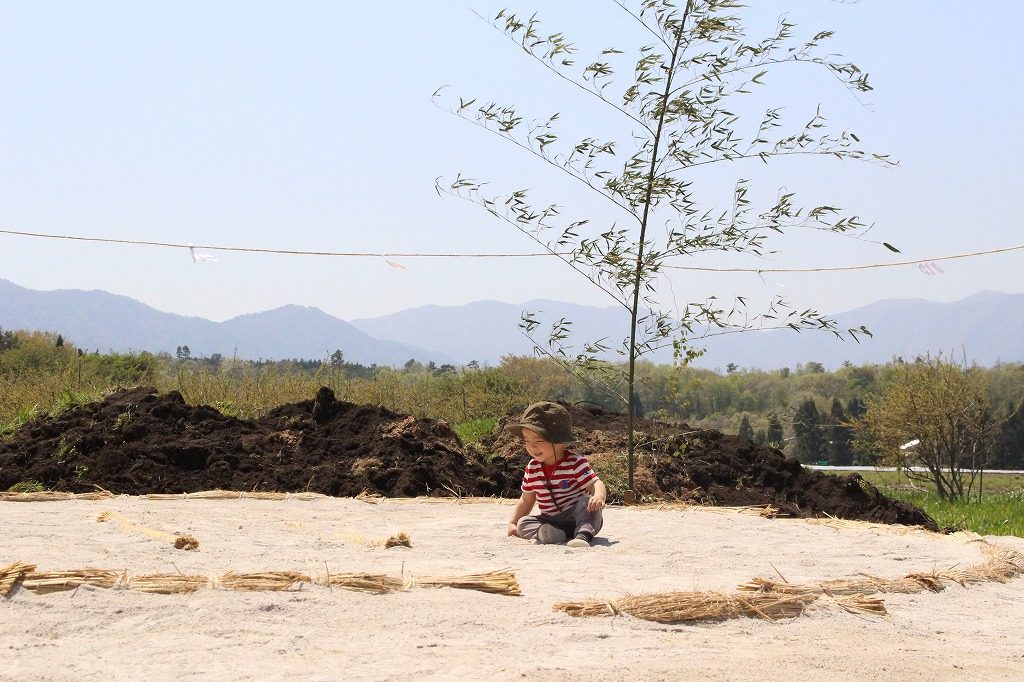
(1002, 565)
(496, 582)
(684, 607)
(370, 498)
(168, 583)
(860, 604)
(867, 584)
(40, 496)
(185, 542)
(271, 581)
(851, 524)
(11, 574)
(59, 581)
(365, 582)
(767, 511)
(401, 539)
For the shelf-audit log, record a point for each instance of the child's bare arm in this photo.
(598, 495)
(523, 507)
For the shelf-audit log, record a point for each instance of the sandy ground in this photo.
(316, 633)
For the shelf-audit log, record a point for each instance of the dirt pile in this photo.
(136, 441)
(674, 462)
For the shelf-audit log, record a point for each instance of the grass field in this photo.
(999, 512)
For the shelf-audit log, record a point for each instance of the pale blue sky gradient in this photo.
(309, 125)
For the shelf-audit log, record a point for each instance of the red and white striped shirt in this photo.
(567, 483)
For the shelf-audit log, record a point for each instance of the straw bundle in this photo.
(839, 524)
(365, 582)
(185, 542)
(867, 584)
(52, 496)
(496, 582)
(858, 603)
(1001, 565)
(59, 581)
(234, 495)
(11, 574)
(271, 581)
(683, 607)
(767, 511)
(370, 498)
(168, 583)
(401, 539)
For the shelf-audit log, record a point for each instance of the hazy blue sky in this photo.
(309, 125)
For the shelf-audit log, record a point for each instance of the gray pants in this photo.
(572, 521)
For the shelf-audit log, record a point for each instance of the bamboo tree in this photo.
(676, 107)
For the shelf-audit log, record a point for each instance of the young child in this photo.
(560, 482)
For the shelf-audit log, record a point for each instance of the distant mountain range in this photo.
(98, 320)
(988, 328)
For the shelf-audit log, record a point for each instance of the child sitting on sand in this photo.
(560, 482)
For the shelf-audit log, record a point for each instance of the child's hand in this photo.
(513, 530)
(596, 502)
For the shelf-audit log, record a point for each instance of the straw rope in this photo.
(1002, 565)
(52, 496)
(682, 607)
(773, 600)
(496, 582)
(185, 542)
(167, 583)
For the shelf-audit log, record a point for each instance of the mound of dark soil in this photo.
(136, 442)
(674, 462)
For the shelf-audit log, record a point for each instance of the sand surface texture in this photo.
(312, 632)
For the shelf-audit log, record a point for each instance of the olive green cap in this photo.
(549, 420)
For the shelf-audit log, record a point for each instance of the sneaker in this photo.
(550, 535)
(578, 543)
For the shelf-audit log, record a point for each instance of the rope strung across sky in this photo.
(296, 252)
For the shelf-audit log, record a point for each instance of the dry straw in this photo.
(270, 581)
(168, 583)
(683, 607)
(496, 582)
(234, 495)
(185, 542)
(365, 582)
(59, 581)
(400, 539)
(772, 600)
(52, 496)
(11, 574)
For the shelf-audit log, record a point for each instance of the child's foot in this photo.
(581, 540)
(550, 535)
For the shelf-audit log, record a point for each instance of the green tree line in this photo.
(806, 411)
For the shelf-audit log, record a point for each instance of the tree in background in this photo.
(808, 439)
(1008, 452)
(678, 115)
(7, 339)
(774, 434)
(945, 408)
(840, 439)
(746, 431)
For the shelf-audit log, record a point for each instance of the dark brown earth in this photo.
(136, 441)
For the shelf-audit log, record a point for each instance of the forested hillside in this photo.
(805, 410)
